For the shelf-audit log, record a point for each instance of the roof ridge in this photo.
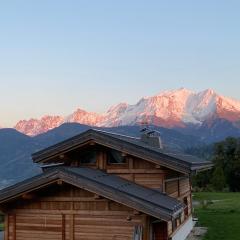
(114, 133)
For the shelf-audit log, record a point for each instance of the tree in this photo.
(226, 173)
(202, 179)
(227, 163)
(218, 179)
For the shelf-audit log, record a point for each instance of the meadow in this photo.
(220, 212)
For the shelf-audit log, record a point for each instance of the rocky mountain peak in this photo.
(174, 108)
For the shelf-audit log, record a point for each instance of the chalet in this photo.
(103, 186)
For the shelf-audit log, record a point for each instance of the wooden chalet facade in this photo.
(103, 186)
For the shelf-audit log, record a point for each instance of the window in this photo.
(88, 157)
(115, 157)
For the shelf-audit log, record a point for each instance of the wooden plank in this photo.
(70, 199)
(53, 212)
(6, 228)
(39, 228)
(130, 160)
(14, 227)
(163, 186)
(146, 228)
(63, 226)
(100, 160)
(71, 228)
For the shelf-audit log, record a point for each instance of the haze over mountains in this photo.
(179, 109)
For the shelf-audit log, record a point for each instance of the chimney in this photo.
(151, 138)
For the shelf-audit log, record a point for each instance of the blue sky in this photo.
(58, 55)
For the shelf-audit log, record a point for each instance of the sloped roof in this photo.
(133, 146)
(149, 201)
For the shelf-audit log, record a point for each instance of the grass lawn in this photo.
(222, 217)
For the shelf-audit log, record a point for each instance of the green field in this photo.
(221, 215)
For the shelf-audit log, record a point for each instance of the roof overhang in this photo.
(50, 154)
(52, 176)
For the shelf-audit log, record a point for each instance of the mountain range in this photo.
(180, 109)
(185, 120)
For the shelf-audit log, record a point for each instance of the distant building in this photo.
(103, 186)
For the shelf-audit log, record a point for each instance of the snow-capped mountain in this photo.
(173, 109)
(34, 127)
(83, 117)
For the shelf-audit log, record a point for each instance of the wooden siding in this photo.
(141, 172)
(180, 188)
(40, 226)
(184, 186)
(68, 213)
(135, 169)
(104, 227)
(74, 226)
(171, 188)
(177, 187)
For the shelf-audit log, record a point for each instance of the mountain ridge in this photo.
(179, 108)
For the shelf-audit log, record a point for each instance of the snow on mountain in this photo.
(164, 109)
(177, 108)
(34, 127)
(84, 117)
(199, 107)
(113, 115)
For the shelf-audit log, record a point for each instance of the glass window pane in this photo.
(88, 157)
(115, 157)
